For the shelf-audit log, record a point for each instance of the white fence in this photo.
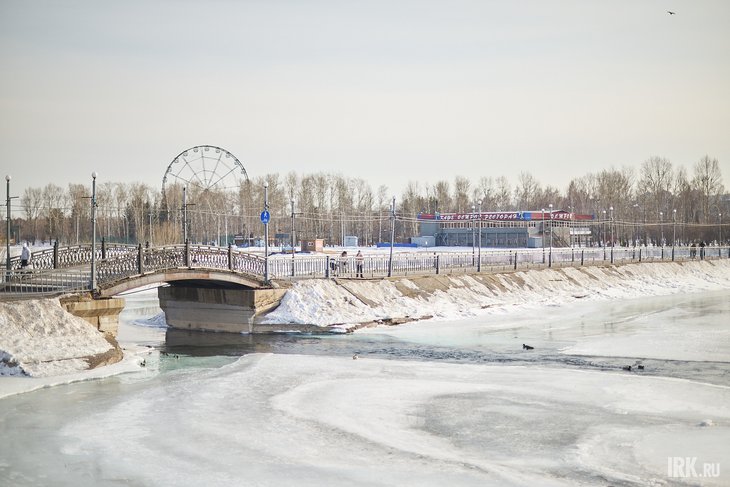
(424, 263)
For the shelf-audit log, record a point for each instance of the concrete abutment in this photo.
(103, 314)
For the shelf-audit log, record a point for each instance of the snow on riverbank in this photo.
(335, 302)
(39, 338)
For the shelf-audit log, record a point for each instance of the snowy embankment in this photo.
(346, 303)
(39, 338)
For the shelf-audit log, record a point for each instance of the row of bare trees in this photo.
(332, 206)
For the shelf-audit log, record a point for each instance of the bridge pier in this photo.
(233, 310)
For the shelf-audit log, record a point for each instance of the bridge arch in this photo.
(179, 275)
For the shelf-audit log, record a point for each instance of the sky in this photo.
(386, 91)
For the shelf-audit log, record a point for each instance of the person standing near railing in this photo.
(343, 262)
(358, 264)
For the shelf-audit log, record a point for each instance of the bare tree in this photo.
(707, 181)
(462, 194)
(656, 182)
(527, 191)
(32, 202)
(503, 198)
(53, 209)
(78, 196)
(442, 193)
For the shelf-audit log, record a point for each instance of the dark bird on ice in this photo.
(671, 13)
(527, 347)
(627, 367)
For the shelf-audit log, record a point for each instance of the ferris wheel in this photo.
(205, 167)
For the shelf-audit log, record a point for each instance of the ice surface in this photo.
(304, 420)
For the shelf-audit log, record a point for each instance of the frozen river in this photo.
(429, 403)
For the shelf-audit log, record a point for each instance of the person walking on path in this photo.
(358, 264)
(24, 256)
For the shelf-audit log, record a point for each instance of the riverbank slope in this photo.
(349, 303)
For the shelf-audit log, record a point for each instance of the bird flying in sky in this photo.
(670, 12)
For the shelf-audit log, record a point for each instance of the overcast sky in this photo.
(388, 91)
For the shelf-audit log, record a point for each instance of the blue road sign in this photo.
(265, 216)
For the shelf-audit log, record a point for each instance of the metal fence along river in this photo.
(67, 269)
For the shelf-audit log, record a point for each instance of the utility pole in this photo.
(392, 238)
(550, 258)
(93, 231)
(7, 226)
(265, 220)
(473, 237)
(293, 239)
(479, 258)
(185, 214)
(610, 223)
(542, 211)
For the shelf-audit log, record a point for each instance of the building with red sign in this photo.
(507, 228)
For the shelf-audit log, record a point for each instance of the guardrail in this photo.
(424, 263)
(152, 259)
(73, 255)
(26, 282)
(126, 262)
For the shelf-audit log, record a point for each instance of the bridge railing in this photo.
(43, 282)
(178, 257)
(72, 255)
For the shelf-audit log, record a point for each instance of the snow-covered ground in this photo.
(39, 338)
(331, 302)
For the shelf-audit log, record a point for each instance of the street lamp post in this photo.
(185, 214)
(661, 227)
(266, 233)
(293, 240)
(542, 211)
(636, 228)
(571, 227)
(719, 229)
(603, 233)
(611, 230)
(479, 257)
(610, 224)
(550, 257)
(392, 238)
(93, 231)
(674, 230)
(7, 224)
(473, 237)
